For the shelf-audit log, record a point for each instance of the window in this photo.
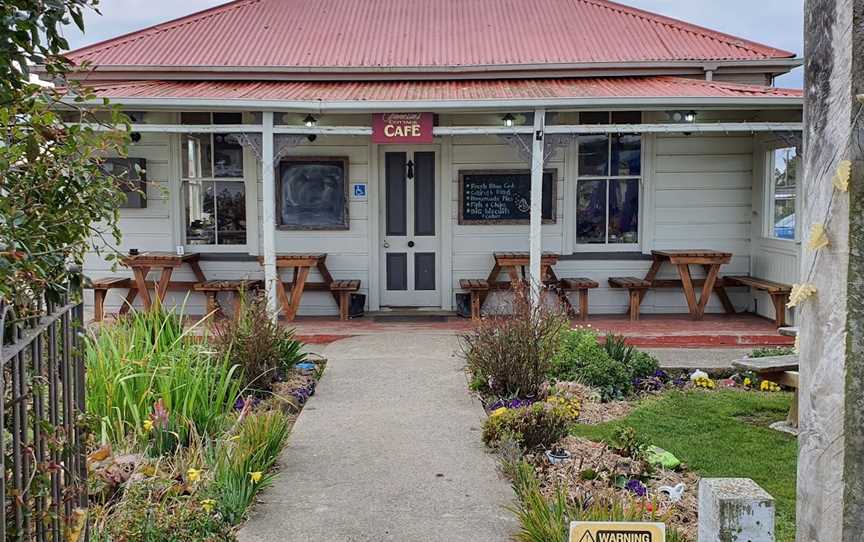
(782, 193)
(214, 189)
(609, 184)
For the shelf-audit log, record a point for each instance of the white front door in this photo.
(409, 214)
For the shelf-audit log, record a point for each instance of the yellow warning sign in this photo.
(601, 531)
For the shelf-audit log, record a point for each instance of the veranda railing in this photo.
(44, 482)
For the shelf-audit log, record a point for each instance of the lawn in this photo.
(721, 434)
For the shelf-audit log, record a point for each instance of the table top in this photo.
(518, 258)
(694, 253)
(155, 259)
(292, 259)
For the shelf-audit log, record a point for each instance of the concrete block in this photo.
(734, 510)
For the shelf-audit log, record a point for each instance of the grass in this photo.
(721, 434)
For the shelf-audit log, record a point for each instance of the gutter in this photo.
(450, 105)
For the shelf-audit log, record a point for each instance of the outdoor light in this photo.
(509, 120)
(683, 116)
(690, 117)
(310, 121)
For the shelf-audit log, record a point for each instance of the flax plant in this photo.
(147, 378)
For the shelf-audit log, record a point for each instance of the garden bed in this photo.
(185, 430)
(560, 405)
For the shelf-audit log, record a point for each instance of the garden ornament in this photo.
(675, 493)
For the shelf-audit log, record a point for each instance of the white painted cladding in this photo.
(697, 193)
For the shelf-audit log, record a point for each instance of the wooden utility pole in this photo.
(831, 322)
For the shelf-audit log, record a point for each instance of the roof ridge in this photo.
(689, 27)
(116, 41)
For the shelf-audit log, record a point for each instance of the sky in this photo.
(778, 23)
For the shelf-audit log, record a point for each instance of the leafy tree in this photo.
(54, 196)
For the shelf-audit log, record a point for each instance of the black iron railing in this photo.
(42, 455)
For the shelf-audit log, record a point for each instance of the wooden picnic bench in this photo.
(212, 288)
(302, 264)
(580, 285)
(477, 288)
(779, 293)
(782, 370)
(709, 260)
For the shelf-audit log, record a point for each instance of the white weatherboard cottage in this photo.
(265, 129)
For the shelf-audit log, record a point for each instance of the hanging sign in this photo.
(402, 128)
(595, 531)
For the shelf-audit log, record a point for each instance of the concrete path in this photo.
(388, 449)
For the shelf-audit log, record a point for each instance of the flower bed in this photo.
(584, 379)
(185, 432)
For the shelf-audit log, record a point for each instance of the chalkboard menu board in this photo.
(502, 196)
(312, 193)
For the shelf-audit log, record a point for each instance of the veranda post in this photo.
(831, 443)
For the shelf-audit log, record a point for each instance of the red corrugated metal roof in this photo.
(393, 34)
(471, 90)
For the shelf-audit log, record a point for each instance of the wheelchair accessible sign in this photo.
(601, 531)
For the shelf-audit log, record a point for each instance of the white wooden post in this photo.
(831, 322)
(536, 227)
(268, 219)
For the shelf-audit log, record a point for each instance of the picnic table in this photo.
(782, 370)
(302, 264)
(514, 264)
(709, 260)
(165, 262)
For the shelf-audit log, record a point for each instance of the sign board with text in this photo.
(603, 531)
(389, 128)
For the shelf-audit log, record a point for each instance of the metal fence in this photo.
(44, 482)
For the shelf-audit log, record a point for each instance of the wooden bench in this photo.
(478, 288)
(344, 289)
(581, 285)
(637, 288)
(782, 370)
(100, 291)
(212, 288)
(779, 293)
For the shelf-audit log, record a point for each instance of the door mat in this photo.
(411, 318)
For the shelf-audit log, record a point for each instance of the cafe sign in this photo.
(402, 128)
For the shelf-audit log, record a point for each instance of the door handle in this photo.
(386, 244)
(410, 244)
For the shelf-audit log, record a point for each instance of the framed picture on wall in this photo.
(312, 193)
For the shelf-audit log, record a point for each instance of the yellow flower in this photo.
(747, 382)
(841, 178)
(193, 474)
(255, 476)
(498, 411)
(800, 292)
(208, 505)
(148, 426)
(818, 237)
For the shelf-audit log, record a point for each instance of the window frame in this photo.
(769, 190)
(578, 177)
(250, 194)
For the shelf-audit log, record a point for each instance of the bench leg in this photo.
(583, 304)
(99, 304)
(792, 417)
(344, 302)
(475, 305)
(635, 302)
(779, 309)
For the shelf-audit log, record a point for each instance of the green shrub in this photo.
(239, 460)
(263, 349)
(147, 368)
(625, 441)
(511, 353)
(610, 367)
(537, 426)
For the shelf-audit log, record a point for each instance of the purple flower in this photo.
(661, 374)
(242, 403)
(636, 487)
(510, 403)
